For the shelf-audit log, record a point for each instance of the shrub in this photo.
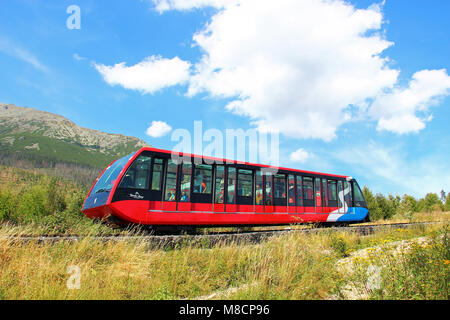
(339, 243)
(7, 205)
(388, 206)
(33, 205)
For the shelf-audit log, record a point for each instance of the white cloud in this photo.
(398, 110)
(294, 66)
(158, 129)
(17, 52)
(303, 68)
(77, 57)
(300, 155)
(401, 124)
(148, 76)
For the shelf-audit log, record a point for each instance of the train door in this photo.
(231, 190)
(279, 193)
(171, 194)
(332, 195)
(219, 189)
(201, 194)
(348, 199)
(325, 208)
(185, 181)
(318, 195)
(268, 194)
(156, 185)
(308, 195)
(291, 194)
(259, 187)
(299, 194)
(244, 195)
(341, 198)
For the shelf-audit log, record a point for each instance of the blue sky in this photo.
(371, 104)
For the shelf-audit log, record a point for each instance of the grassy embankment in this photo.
(294, 266)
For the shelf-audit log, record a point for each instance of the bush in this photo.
(33, 205)
(388, 206)
(7, 205)
(339, 244)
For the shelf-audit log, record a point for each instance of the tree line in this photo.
(386, 207)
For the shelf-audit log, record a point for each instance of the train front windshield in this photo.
(105, 183)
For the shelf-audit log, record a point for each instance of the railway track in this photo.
(210, 240)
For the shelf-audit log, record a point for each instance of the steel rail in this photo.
(210, 240)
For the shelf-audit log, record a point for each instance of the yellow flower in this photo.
(446, 261)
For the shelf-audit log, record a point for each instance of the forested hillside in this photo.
(54, 145)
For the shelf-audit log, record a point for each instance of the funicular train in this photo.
(153, 188)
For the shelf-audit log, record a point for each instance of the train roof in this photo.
(227, 161)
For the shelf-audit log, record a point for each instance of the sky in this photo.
(358, 88)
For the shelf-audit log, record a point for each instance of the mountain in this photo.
(32, 138)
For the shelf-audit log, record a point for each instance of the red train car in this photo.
(152, 187)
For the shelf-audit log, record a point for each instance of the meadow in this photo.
(293, 266)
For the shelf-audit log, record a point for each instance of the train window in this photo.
(357, 192)
(291, 190)
(171, 181)
(157, 174)
(279, 186)
(299, 191)
(308, 189)
(259, 188)
(231, 185)
(245, 183)
(203, 178)
(186, 172)
(268, 190)
(136, 176)
(220, 183)
(332, 190)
